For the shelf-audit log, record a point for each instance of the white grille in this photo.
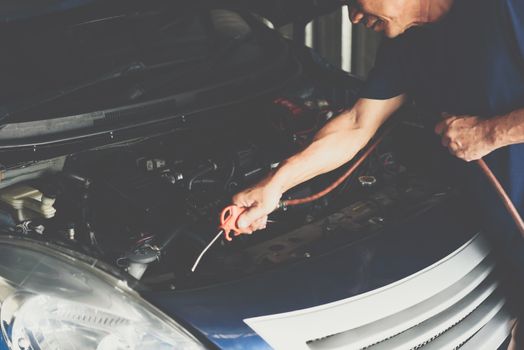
(441, 307)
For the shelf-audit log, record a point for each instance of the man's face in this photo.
(393, 17)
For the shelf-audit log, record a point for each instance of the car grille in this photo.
(445, 306)
(448, 319)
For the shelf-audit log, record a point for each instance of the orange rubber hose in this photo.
(348, 173)
(506, 200)
(510, 207)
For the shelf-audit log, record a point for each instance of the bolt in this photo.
(71, 233)
(39, 229)
(170, 178)
(330, 228)
(149, 165)
(24, 343)
(160, 163)
(376, 220)
(307, 255)
(367, 181)
(309, 104)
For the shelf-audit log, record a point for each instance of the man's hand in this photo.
(260, 200)
(467, 137)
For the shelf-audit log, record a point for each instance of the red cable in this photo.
(348, 173)
(503, 196)
(506, 200)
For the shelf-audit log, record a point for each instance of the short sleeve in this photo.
(387, 79)
(516, 15)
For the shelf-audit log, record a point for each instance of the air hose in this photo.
(510, 207)
(506, 200)
(292, 202)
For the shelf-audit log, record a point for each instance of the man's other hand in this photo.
(467, 137)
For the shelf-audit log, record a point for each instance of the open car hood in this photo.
(70, 57)
(11, 10)
(278, 11)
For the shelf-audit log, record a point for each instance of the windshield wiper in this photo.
(122, 71)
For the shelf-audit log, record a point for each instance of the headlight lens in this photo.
(50, 300)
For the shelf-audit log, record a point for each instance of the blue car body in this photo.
(217, 312)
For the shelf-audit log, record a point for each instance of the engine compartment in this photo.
(150, 205)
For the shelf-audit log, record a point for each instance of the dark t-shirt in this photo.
(471, 62)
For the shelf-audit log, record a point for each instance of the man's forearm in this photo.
(334, 145)
(471, 138)
(508, 129)
(337, 142)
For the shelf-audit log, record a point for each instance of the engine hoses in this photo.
(292, 202)
(506, 200)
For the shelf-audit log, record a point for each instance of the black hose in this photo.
(171, 236)
(231, 174)
(212, 167)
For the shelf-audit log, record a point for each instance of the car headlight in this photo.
(50, 300)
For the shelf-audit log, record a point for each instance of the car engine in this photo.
(148, 206)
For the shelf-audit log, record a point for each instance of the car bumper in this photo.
(429, 281)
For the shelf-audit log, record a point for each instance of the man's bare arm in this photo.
(335, 144)
(508, 129)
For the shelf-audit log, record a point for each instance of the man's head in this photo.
(394, 17)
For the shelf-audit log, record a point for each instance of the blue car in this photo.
(127, 126)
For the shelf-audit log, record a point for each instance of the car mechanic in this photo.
(463, 60)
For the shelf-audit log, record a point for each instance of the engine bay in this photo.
(148, 207)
